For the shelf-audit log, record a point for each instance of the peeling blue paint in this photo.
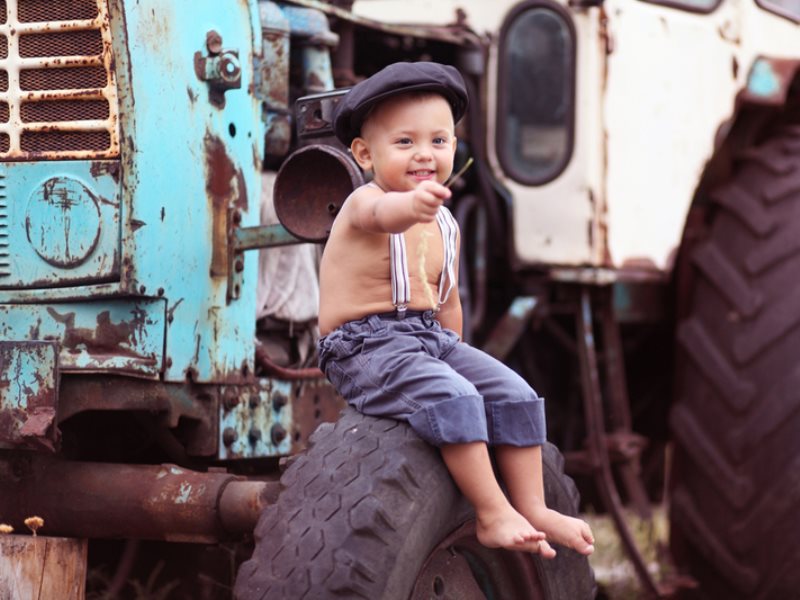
(762, 80)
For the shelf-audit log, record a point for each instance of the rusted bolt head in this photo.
(238, 265)
(254, 435)
(279, 401)
(237, 216)
(229, 68)
(229, 436)
(231, 399)
(278, 434)
(254, 401)
(213, 42)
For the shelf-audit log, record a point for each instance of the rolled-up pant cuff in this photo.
(516, 423)
(452, 421)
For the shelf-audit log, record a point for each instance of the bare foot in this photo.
(561, 529)
(506, 528)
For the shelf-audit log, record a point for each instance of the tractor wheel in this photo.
(369, 511)
(735, 493)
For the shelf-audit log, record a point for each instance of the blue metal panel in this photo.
(28, 394)
(120, 336)
(61, 221)
(188, 163)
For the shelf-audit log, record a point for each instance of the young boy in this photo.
(390, 314)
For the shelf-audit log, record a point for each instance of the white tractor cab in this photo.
(631, 229)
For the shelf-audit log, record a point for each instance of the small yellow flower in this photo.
(34, 523)
(4, 528)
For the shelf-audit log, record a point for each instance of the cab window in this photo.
(536, 95)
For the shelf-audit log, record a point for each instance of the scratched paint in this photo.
(112, 336)
(28, 394)
(62, 222)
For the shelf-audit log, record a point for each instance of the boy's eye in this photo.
(404, 141)
(439, 141)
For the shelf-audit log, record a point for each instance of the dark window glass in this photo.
(536, 99)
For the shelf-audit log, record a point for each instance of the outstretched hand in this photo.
(426, 199)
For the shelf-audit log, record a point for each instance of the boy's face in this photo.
(407, 140)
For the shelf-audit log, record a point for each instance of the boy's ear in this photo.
(361, 153)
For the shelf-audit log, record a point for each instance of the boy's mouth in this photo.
(422, 173)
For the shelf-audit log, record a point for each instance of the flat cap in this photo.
(398, 78)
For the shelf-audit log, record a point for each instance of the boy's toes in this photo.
(546, 550)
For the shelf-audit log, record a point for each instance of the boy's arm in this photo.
(450, 315)
(377, 211)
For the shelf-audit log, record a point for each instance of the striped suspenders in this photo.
(401, 286)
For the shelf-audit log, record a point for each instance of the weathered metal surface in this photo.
(307, 206)
(176, 404)
(272, 80)
(113, 336)
(314, 401)
(221, 68)
(311, 33)
(61, 89)
(62, 223)
(255, 421)
(28, 394)
(187, 165)
(380, 21)
(314, 118)
(104, 500)
(263, 236)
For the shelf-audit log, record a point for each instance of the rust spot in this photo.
(104, 167)
(106, 338)
(137, 224)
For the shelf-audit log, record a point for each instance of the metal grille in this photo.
(58, 95)
(60, 110)
(62, 79)
(42, 141)
(31, 11)
(68, 43)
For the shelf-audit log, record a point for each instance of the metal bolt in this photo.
(213, 42)
(254, 400)
(238, 266)
(237, 216)
(229, 436)
(230, 399)
(279, 401)
(254, 436)
(278, 434)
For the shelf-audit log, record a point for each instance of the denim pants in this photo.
(413, 370)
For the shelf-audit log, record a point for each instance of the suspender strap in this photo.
(449, 229)
(401, 285)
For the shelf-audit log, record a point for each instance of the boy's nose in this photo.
(423, 153)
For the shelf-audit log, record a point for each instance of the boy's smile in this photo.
(408, 140)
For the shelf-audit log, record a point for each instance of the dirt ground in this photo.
(613, 571)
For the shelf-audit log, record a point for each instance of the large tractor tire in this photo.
(370, 512)
(735, 498)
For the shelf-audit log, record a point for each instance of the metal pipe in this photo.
(270, 368)
(103, 500)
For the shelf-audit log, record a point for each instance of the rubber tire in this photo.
(361, 510)
(735, 492)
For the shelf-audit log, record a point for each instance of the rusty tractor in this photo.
(628, 246)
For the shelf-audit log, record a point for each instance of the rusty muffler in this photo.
(153, 502)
